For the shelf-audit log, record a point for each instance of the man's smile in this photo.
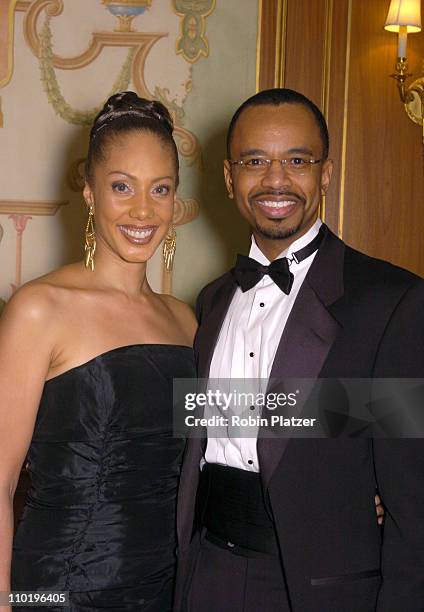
(276, 206)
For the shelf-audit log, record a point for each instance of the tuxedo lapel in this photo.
(308, 336)
(212, 317)
(211, 324)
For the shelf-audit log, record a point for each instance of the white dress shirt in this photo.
(248, 341)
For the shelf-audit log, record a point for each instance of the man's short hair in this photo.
(275, 97)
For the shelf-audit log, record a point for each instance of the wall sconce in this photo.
(404, 17)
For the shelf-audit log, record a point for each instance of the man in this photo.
(289, 525)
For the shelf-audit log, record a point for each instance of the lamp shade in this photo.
(404, 13)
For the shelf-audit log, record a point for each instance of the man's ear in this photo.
(228, 177)
(327, 170)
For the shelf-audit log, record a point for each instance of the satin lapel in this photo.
(210, 326)
(308, 336)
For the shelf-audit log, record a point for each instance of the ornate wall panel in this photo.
(59, 61)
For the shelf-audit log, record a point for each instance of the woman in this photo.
(87, 358)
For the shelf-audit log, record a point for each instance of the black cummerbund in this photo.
(233, 509)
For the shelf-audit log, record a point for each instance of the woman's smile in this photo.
(136, 234)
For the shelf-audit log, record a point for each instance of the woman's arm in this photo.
(25, 353)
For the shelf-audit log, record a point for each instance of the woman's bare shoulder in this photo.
(33, 301)
(72, 276)
(38, 299)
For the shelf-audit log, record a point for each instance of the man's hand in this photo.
(379, 508)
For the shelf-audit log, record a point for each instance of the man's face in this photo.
(279, 205)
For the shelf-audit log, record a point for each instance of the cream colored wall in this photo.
(220, 85)
(39, 148)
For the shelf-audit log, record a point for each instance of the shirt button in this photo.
(252, 407)
(261, 304)
(251, 354)
(250, 462)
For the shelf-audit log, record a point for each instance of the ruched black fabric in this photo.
(99, 519)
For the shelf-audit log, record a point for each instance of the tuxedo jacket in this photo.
(354, 317)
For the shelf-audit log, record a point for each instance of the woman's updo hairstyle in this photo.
(126, 112)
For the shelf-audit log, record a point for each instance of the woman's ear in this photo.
(88, 196)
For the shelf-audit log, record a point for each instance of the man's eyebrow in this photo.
(252, 152)
(300, 150)
(292, 151)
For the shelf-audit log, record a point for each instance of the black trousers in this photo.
(223, 580)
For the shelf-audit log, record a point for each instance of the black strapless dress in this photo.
(99, 519)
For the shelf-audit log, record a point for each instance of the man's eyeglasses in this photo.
(292, 165)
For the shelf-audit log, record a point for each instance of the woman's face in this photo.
(132, 193)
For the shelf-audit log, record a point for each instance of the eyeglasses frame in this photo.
(283, 162)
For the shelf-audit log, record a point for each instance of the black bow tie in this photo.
(248, 272)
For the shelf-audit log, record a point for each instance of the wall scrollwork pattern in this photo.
(59, 61)
(193, 43)
(38, 28)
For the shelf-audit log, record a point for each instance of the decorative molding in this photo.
(325, 91)
(51, 85)
(53, 8)
(31, 207)
(258, 44)
(20, 223)
(139, 43)
(185, 211)
(7, 21)
(271, 44)
(142, 42)
(192, 42)
(126, 11)
(7, 27)
(20, 212)
(22, 5)
(75, 176)
(345, 115)
(188, 145)
(280, 64)
(328, 31)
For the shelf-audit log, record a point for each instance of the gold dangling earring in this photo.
(169, 246)
(90, 240)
